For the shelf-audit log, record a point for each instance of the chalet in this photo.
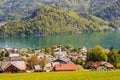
(60, 53)
(63, 64)
(29, 55)
(73, 55)
(15, 57)
(13, 66)
(47, 68)
(41, 55)
(83, 58)
(65, 67)
(37, 50)
(37, 68)
(83, 50)
(62, 60)
(88, 65)
(49, 57)
(99, 65)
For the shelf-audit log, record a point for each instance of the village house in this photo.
(99, 65)
(15, 57)
(61, 60)
(73, 55)
(41, 56)
(47, 68)
(59, 53)
(49, 57)
(52, 65)
(83, 50)
(13, 66)
(65, 67)
(37, 68)
(63, 64)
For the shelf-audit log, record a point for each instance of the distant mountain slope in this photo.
(3, 23)
(115, 24)
(17, 9)
(52, 20)
(95, 4)
(110, 11)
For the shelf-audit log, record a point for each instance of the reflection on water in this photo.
(105, 39)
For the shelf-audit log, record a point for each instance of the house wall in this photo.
(66, 70)
(101, 68)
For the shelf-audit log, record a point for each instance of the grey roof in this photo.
(64, 59)
(16, 58)
(13, 55)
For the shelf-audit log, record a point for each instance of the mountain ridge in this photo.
(109, 12)
(53, 20)
(19, 9)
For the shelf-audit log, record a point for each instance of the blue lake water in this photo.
(89, 39)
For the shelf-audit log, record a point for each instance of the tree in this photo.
(3, 54)
(29, 50)
(111, 48)
(43, 62)
(33, 60)
(119, 52)
(48, 50)
(96, 54)
(42, 50)
(54, 47)
(69, 47)
(78, 61)
(114, 58)
(68, 52)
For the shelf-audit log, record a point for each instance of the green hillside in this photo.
(95, 4)
(110, 11)
(18, 9)
(115, 24)
(52, 20)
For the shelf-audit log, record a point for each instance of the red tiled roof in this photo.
(108, 65)
(97, 64)
(65, 67)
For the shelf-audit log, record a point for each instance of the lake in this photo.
(87, 39)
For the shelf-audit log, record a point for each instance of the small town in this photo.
(57, 58)
(59, 39)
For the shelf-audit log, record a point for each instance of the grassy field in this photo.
(76, 75)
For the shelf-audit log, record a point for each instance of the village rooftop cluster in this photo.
(56, 58)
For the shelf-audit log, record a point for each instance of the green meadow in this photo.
(75, 75)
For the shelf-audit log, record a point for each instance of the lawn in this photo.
(76, 75)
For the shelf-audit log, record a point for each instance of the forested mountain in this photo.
(52, 20)
(95, 4)
(17, 9)
(115, 24)
(110, 11)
